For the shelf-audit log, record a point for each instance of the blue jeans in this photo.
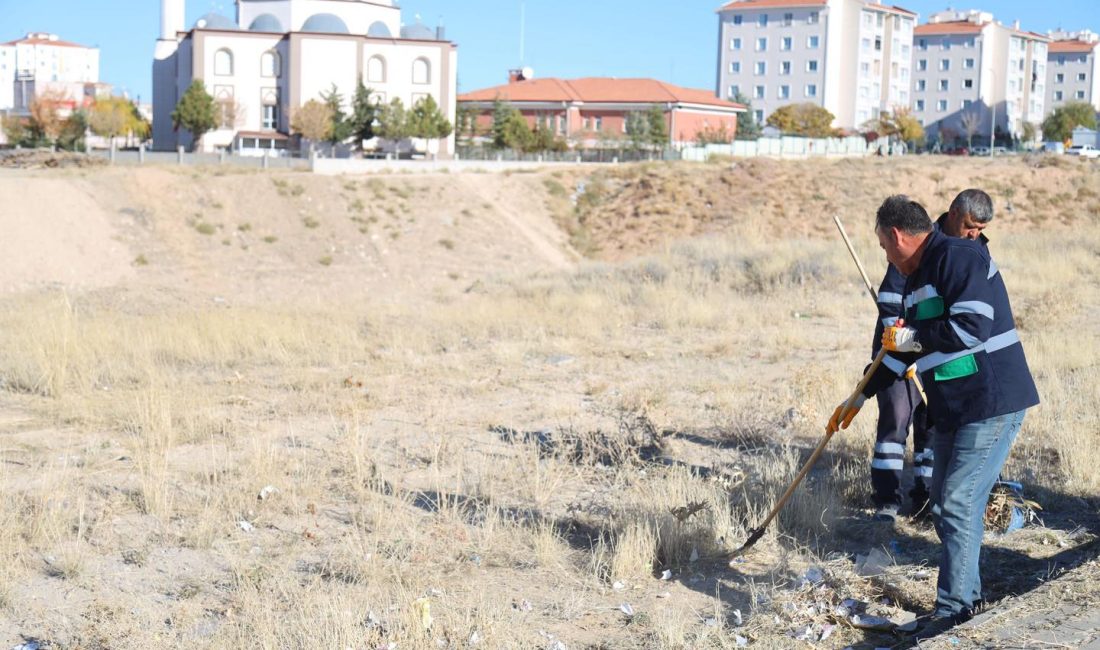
(968, 461)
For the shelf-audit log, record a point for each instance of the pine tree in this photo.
(502, 113)
(196, 112)
(342, 128)
(747, 128)
(658, 128)
(363, 114)
(394, 121)
(427, 121)
(637, 129)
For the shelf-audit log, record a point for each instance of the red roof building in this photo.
(592, 110)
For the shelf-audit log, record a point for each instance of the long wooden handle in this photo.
(758, 532)
(852, 252)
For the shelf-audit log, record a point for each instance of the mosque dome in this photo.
(215, 21)
(379, 30)
(418, 32)
(325, 23)
(266, 23)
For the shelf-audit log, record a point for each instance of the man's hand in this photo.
(836, 422)
(899, 338)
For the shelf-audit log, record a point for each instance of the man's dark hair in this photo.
(903, 213)
(975, 203)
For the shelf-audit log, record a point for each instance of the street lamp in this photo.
(993, 110)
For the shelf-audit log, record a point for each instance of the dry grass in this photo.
(527, 455)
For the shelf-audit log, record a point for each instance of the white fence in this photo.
(784, 147)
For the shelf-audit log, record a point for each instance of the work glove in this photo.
(899, 338)
(836, 423)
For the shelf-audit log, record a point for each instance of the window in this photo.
(1081, 76)
(922, 45)
(1080, 94)
(758, 115)
(784, 92)
(422, 72)
(905, 50)
(761, 67)
(734, 89)
(376, 70)
(968, 64)
(865, 43)
(737, 19)
(735, 67)
(223, 63)
(812, 42)
(270, 117)
(813, 18)
(785, 44)
(968, 83)
(966, 103)
(1061, 60)
(868, 19)
(811, 90)
(763, 20)
(943, 85)
(879, 20)
(811, 66)
(735, 44)
(864, 91)
(561, 124)
(761, 44)
(758, 92)
(784, 67)
(270, 65)
(584, 124)
(922, 65)
(920, 105)
(945, 45)
(941, 105)
(1059, 78)
(599, 123)
(945, 64)
(788, 19)
(865, 69)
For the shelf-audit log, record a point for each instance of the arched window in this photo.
(376, 70)
(223, 63)
(270, 64)
(422, 72)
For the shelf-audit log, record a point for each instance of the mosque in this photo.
(278, 54)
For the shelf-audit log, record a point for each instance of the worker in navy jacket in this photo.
(957, 327)
(900, 404)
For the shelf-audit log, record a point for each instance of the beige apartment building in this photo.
(1073, 69)
(969, 69)
(852, 57)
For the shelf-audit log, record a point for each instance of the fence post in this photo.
(141, 153)
(179, 154)
(111, 153)
(266, 161)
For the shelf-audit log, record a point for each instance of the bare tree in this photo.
(46, 113)
(970, 122)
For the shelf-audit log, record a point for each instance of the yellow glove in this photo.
(836, 422)
(898, 338)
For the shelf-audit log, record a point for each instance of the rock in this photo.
(710, 622)
(627, 609)
(618, 586)
(666, 574)
(868, 622)
(245, 526)
(740, 640)
(874, 563)
(267, 492)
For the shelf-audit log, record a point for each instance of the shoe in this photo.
(933, 625)
(886, 513)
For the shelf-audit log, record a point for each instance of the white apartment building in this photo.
(1073, 69)
(279, 54)
(853, 57)
(969, 69)
(42, 61)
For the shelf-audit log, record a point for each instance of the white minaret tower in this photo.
(166, 83)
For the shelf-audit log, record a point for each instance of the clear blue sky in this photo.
(673, 40)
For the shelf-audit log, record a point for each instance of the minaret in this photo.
(171, 22)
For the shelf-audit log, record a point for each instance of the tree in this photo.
(658, 128)
(1030, 132)
(466, 122)
(747, 128)
(714, 135)
(16, 130)
(427, 121)
(544, 139)
(900, 122)
(196, 112)
(73, 131)
(517, 135)
(502, 113)
(363, 114)
(807, 119)
(394, 121)
(637, 129)
(970, 122)
(313, 121)
(45, 110)
(342, 128)
(1059, 125)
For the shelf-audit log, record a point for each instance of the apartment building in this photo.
(1073, 69)
(969, 69)
(42, 61)
(853, 57)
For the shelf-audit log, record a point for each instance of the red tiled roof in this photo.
(891, 9)
(596, 90)
(1031, 35)
(951, 27)
(763, 4)
(1072, 47)
(44, 41)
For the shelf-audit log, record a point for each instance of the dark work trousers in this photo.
(900, 409)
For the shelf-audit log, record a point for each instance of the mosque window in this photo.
(376, 70)
(270, 65)
(223, 63)
(422, 72)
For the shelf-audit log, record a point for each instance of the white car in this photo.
(979, 150)
(1084, 150)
